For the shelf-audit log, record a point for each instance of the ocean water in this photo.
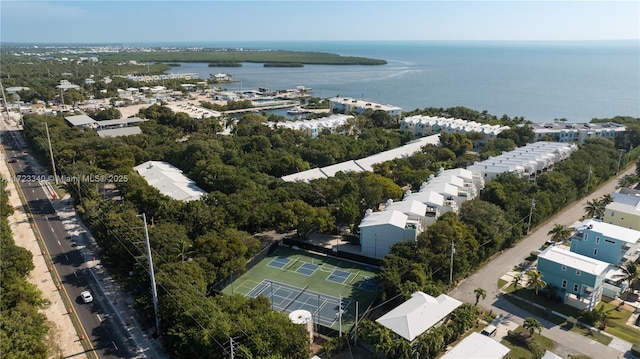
(540, 81)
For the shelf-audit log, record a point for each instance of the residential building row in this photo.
(421, 126)
(314, 127)
(576, 132)
(405, 220)
(527, 161)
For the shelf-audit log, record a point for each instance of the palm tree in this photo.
(560, 232)
(532, 325)
(535, 281)
(594, 208)
(629, 275)
(184, 250)
(479, 292)
(606, 199)
(517, 280)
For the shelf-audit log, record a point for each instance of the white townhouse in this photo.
(347, 105)
(379, 231)
(527, 161)
(577, 132)
(421, 125)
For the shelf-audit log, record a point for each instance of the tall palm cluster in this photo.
(595, 207)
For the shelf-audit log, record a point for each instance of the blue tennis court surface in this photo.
(279, 262)
(307, 269)
(287, 298)
(338, 276)
(368, 284)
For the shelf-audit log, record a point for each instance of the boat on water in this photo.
(297, 110)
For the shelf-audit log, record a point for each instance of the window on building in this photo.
(564, 267)
(578, 273)
(575, 288)
(564, 283)
(595, 251)
(597, 240)
(613, 213)
(610, 241)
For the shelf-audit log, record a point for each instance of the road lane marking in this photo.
(99, 319)
(59, 244)
(76, 274)
(114, 345)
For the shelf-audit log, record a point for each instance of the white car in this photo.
(86, 296)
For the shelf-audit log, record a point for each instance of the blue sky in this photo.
(178, 21)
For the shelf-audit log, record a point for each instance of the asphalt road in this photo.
(65, 254)
(487, 278)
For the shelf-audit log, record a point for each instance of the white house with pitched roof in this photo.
(477, 346)
(418, 314)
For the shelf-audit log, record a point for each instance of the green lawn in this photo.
(520, 352)
(595, 335)
(501, 283)
(617, 324)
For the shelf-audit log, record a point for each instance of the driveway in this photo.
(487, 278)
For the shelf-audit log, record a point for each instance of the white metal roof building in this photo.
(418, 314)
(81, 121)
(347, 105)
(169, 180)
(363, 164)
(345, 167)
(122, 131)
(478, 346)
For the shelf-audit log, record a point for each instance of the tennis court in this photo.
(338, 276)
(295, 279)
(279, 262)
(288, 298)
(307, 269)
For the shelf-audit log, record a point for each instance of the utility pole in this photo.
(620, 159)
(53, 164)
(355, 333)
(231, 346)
(340, 314)
(154, 291)
(453, 250)
(533, 205)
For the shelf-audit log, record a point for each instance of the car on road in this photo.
(86, 296)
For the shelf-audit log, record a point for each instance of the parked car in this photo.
(490, 330)
(86, 296)
(13, 160)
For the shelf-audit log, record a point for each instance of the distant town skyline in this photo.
(227, 21)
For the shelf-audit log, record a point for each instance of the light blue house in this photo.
(606, 242)
(579, 279)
